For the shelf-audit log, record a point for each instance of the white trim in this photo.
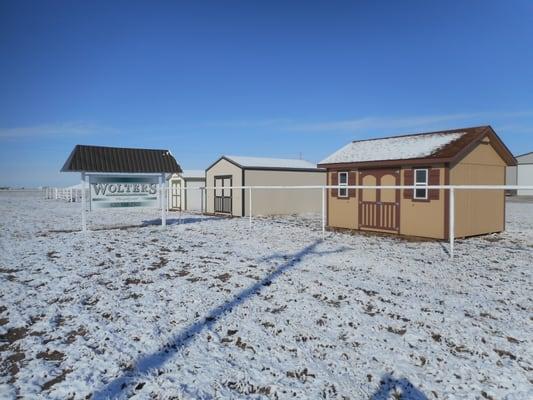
(423, 185)
(342, 184)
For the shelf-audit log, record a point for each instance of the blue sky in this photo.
(275, 79)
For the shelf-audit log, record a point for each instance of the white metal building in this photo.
(524, 173)
(186, 199)
(258, 171)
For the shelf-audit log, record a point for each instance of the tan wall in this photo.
(284, 201)
(223, 167)
(342, 212)
(479, 211)
(424, 219)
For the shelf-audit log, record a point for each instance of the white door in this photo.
(175, 194)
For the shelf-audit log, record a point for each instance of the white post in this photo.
(183, 194)
(250, 207)
(323, 212)
(452, 222)
(162, 188)
(83, 203)
(202, 200)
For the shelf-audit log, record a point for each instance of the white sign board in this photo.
(121, 191)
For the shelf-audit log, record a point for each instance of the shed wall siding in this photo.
(525, 177)
(342, 212)
(479, 211)
(193, 201)
(284, 201)
(223, 167)
(511, 176)
(420, 218)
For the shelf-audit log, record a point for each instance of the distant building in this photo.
(522, 174)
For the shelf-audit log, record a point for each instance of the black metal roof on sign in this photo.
(120, 160)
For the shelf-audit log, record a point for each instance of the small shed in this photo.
(468, 156)
(522, 174)
(184, 193)
(230, 171)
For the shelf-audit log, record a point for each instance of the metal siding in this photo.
(120, 160)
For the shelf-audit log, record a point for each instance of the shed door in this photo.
(175, 194)
(379, 208)
(223, 195)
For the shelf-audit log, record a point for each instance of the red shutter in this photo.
(408, 180)
(351, 182)
(334, 182)
(434, 180)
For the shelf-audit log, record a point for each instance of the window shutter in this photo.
(434, 179)
(408, 180)
(351, 182)
(334, 182)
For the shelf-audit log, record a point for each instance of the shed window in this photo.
(343, 181)
(421, 179)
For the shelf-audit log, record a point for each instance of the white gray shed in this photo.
(230, 171)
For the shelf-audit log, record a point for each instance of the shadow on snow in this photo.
(150, 362)
(178, 221)
(391, 387)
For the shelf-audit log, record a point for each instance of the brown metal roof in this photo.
(451, 152)
(120, 160)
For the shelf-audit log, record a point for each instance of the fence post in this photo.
(201, 200)
(83, 201)
(323, 212)
(162, 188)
(250, 207)
(452, 222)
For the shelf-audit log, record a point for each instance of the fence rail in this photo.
(373, 217)
(389, 217)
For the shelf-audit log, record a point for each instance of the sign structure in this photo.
(122, 191)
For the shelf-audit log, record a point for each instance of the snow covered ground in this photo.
(209, 309)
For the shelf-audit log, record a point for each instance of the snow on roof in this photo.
(193, 173)
(394, 148)
(263, 162)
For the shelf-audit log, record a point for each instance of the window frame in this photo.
(423, 184)
(339, 190)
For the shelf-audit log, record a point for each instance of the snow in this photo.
(209, 309)
(394, 148)
(193, 173)
(261, 162)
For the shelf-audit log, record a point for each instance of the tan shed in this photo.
(233, 171)
(469, 156)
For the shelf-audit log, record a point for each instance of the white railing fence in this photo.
(453, 189)
(71, 195)
(253, 194)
